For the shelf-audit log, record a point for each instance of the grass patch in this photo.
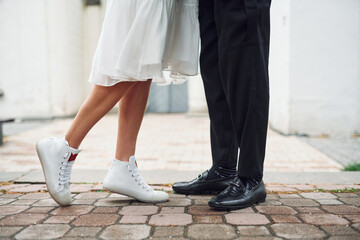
(353, 167)
(345, 190)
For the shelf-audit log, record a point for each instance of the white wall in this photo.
(46, 49)
(315, 66)
(280, 65)
(92, 22)
(41, 57)
(65, 55)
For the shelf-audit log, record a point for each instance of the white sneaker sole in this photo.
(116, 190)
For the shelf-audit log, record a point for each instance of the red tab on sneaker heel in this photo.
(72, 157)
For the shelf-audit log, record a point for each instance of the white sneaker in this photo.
(57, 159)
(124, 178)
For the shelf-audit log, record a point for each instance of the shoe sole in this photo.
(209, 192)
(198, 193)
(145, 201)
(229, 208)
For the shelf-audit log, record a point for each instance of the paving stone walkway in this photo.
(290, 212)
(166, 142)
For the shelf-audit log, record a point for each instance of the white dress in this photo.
(142, 38)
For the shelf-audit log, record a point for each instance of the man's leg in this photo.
(223, 142)
(244, 72)
(244, 30)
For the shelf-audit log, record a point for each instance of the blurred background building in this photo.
(46, 49)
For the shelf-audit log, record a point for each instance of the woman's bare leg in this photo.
(99, 102)
(131, 112)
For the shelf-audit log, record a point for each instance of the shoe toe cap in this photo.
(178, 185)
(160, 196)
(213, 200)
(62, 198)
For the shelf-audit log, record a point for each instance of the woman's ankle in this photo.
(72, 143)
(123, 157)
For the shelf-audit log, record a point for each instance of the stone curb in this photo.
(171, 176)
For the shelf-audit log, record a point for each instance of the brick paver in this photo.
(39, 209)
(7, 210)
(179, 219)
(22, 219)
(138, 210)
(356, 226)
(126, 232)
(35, 196)
(165, 210)
(83, 232)
(339, 230)
(60, 219)
(45, 203)
(329, 202)
(298, 231)
(284, 215)
(72, 210)
(253, 231)
(318, 195)
(285, 219)
(211, 231)
(204, 210)
(177, 202)
(95, 220)
(91, 195)
(342, 209)
(353, 218)
(168, 232)
(351, 201)
(246, 219)
(323, 219)
(133, 219)
(9, 231)
(43, 231)
(106, 210)
(311, 210)
(207, 219)
(23, 202)
(276, 210)
(299, 202)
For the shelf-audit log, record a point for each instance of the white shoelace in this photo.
(139, 179)
(65, 170)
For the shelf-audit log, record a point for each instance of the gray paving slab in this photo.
(312, 177)
(341, 148)
(10, 176)
(171, 176)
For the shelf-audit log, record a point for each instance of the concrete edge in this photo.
(171, 176)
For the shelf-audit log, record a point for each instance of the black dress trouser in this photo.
(234, 66)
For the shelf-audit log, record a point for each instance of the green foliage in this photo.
(352, 167)
(345, 190)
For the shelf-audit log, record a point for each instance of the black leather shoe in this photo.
(201, 185)
(239, 195)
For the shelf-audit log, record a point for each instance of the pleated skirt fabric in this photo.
(142, 38)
